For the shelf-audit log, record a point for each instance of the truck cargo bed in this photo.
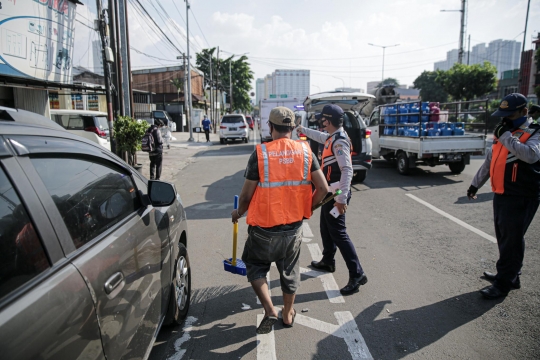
(467, 143)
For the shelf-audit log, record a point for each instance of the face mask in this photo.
(520, 121)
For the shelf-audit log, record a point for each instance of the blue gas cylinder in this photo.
(424, 130)
(401, 131)
(414, 109)
(446, 129)
(391, 110)
(459, 129)
(425, 112)
(433, 129)
(413, 131)
(403, 109)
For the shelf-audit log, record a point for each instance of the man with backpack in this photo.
(153, 144)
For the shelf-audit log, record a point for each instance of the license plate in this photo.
(233, 129)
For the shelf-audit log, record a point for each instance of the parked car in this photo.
(250, 122)
(353, 123)
(233, 127)
(91, 125)
(93, 256)
(165, 117)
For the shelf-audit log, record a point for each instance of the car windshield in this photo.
(232, 120)
(102, 123)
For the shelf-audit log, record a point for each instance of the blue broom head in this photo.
(239, 269)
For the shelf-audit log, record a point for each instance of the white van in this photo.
(91, 125)
(266, 106)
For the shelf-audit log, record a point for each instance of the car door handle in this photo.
(113, 282)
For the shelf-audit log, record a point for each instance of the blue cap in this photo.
(510, 104)
(318, 116)
(332, 112)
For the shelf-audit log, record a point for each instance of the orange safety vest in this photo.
(329, 165)
(283, 194)
(504, 165)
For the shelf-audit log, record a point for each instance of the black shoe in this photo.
(491, 277)
(493, 292)
(322, 266)
(354, 284)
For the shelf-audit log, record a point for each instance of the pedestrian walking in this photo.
(156, 156)
(513, 164)
(277, 196)
(207, 127)
(337, 167)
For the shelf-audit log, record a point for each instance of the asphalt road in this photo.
(424, 273)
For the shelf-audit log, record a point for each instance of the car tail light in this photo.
(368, 133)
(95, 130)
(354, 153)
(222, 127)
(243, 127)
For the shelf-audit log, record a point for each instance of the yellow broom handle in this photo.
(234, 242)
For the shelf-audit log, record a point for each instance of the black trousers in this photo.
(207, 133)
(334, 236)
(512, 215)
(155, 166)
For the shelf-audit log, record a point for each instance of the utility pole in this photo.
(113, 23)
(124, 53)
(189, 112)
(218, 98)
(211, 104)
(107, 57)
(230, 86)
(469, 50)
(186, 103)
(523, 47)
(118, 63)
(462, 32)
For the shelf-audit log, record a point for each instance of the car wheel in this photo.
(360, 176)
(221, 141)
(245, 140)
(403, 163)
(457, 168)
(180, 297)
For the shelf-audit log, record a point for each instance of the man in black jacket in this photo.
(156, 156)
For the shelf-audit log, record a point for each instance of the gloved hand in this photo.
(502, 127)
(471, 193)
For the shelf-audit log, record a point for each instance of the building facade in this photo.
(284, 83)
(529, 77)
(259, 90)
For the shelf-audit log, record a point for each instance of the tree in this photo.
(466, 82)
(241, 76)
(179, 85)
(430, 90)
(389, 81)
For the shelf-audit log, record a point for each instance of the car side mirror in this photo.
(161, 193)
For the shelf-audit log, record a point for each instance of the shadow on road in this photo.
(385, 175)
(400, 334)
(232, 149)
(219, 198)
(480, 198)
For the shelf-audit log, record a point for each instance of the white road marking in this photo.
(328, 282)
(307, 230)
(315, 251)
(266, 343)
(246, 307)
(185, 337)
(211, 206)
(304, 239)
(348, 330)
(456, 220)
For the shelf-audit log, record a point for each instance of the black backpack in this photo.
(147, 142)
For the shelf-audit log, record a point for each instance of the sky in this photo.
(330, 38)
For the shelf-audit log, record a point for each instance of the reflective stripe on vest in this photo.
(329, 158)
(283, 194)
(500, 157)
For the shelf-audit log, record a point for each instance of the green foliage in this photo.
(389, 81)
(178, 84)
(430, 90)
(240, 72)
(466, 82)
(537, 91)
(128, 133)
(537, 57)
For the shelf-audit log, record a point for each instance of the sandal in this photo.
(266, 325)
(292, 323)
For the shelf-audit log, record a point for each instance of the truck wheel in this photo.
(389, 158)
(403, 163)
(360, 176)
(457, 168)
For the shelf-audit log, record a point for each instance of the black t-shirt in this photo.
(252, 169)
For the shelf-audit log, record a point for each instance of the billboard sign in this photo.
(36, 39)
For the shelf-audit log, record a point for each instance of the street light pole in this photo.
(461, 30)
(317, 86)
(188, 112)
(343, 81)
(383, 51)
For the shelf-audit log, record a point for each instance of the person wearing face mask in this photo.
(337, 167)
(513, 164)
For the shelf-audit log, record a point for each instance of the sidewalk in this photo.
(179, 155)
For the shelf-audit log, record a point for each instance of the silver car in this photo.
(233, 127)
(93, 257)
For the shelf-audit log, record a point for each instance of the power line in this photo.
(80, 22)
(142, 7)
(165, 19)
(150, 56)
(207, 43)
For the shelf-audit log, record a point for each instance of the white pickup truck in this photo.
(409, 150)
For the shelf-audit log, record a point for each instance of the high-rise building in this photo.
(259, 90)
(97, 57)
(293, 83)
(268, 86)
(504, 54)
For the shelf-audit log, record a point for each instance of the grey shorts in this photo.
(282, 247)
